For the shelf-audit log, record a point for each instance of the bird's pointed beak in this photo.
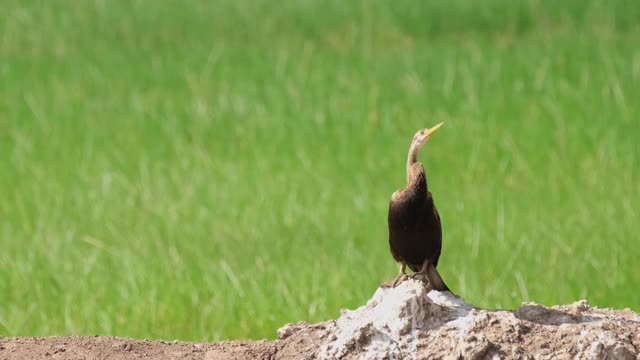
(433, 129)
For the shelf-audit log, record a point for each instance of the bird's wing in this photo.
(406, 211)
(432, 212)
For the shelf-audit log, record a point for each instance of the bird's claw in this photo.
(395, 282)
(424, 278)
(419, 275)
(399, 280)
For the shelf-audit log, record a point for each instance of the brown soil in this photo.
(118, 348)
(110, 347)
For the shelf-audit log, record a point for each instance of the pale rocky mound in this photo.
(405, 322)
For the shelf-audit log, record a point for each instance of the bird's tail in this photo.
(436, 279)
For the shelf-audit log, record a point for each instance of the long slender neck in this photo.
(412, 158)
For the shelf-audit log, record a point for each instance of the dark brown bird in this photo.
(415, 232)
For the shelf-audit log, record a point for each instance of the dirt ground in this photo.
(109, 347)
(397, 323)
(120, 348)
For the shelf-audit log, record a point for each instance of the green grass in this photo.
(213, 170)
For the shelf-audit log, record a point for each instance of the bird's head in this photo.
(423, 135)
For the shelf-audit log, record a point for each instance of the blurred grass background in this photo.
(208, 170)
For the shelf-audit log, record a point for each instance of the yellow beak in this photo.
(433, 129)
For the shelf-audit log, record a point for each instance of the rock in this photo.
(290, 329)
(391, 324)
(410, 322)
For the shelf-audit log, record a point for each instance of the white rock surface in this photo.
(406, 322)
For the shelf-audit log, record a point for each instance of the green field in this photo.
(208, 170)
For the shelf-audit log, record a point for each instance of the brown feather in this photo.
(415, 232)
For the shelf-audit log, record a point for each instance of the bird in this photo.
(415, 230)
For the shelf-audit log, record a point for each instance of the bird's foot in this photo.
(395, 282)
(422, 276)
(418, 275)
